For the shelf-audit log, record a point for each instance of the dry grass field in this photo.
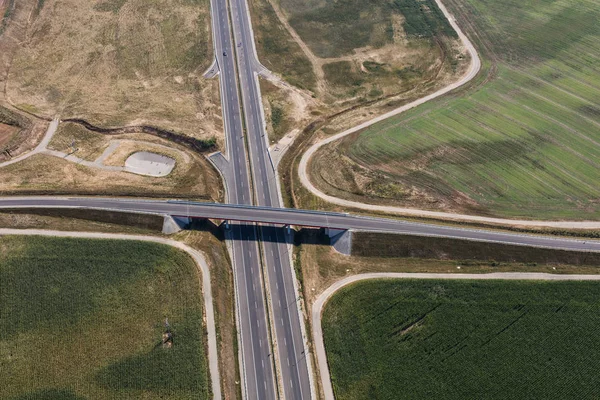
(113, 63)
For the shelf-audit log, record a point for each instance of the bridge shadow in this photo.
(275, 234)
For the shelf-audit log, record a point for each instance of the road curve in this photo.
(469, 75)
(200, 262)
(39, 148)
(317, 308)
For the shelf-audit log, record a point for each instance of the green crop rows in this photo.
(432, 339)
(84, 319)
(528, 142)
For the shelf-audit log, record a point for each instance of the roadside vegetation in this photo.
(277, 49)
(86, 318)
(407, 339)
(523, 141)
(279, 111)
(114, 63)
(319, 265)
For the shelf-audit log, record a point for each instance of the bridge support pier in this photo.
(341, 240)
(175, 224)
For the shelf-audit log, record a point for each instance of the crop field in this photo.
(114, 62)
(85, 319)
(417, 339)
(525, 143)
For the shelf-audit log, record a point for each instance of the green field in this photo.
(527, 142)
(334, 28)
(422, 339)
(83, 319)
(277, 50)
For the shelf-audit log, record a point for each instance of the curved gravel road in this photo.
(195, 254)
(317, 307)
(41, 147)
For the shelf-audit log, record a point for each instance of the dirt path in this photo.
(314, 60)
(41, 147)
(205, 282)
(468, 76)
(317, 307)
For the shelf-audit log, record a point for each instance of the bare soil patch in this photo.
(6, 133)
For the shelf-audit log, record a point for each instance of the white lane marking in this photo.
(259, 342)
(288, 360)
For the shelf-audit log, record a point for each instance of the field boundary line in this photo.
(197, 256)
(317, 308)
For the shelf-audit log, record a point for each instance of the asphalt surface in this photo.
(290, 216)
(291, 353)
(258, 378)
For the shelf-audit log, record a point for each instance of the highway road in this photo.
(258, 378)
(290, 216)
(291, 348)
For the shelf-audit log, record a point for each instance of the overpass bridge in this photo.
(295, 217)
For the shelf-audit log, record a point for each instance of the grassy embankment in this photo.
(524, 143)
(276, 49)
(456, 340)
(84, 319)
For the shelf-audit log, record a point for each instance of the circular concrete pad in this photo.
(150, 164)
